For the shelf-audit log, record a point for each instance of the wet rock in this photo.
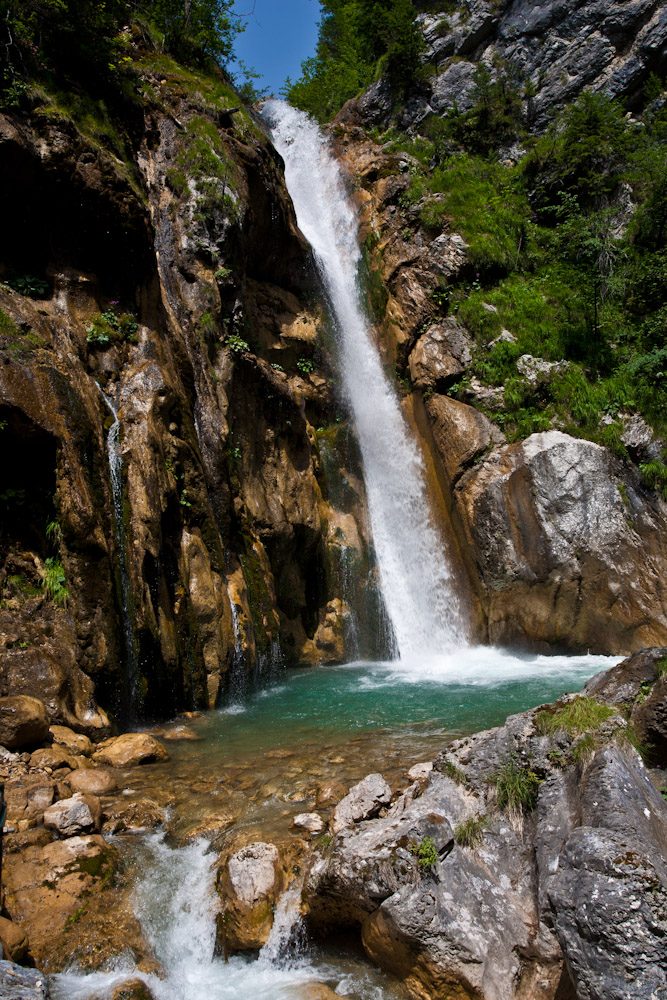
(363, 800)
(130, 750)
(55, 757)
(14, 941)
(309, 822)
(329, 794)
(133, 989)
(72, 899)
(440, 355)
(28, 797)
(178, 733)
(72, 817)
(134, 816)
(23, 722)
(251, 883)
(74, 743)
(17, 983)
(97, 781)
(316, 991)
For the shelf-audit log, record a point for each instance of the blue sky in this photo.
(278, 37)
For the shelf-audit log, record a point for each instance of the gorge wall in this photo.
(154, 260)
(173, 281)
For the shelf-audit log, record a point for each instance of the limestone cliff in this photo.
(160, 266)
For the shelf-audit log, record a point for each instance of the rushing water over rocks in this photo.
(416, 580)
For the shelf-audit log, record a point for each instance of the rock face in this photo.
(23, 722)
(75, 816)
(178, 441)
(562, 537)
(460, 894)
(560, 47)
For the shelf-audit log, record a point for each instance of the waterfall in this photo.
(416, 579)
(116, 477)
(286, 926)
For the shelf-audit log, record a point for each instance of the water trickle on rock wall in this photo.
(416, 579)
(116, 477)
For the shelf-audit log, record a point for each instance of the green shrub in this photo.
(425, 852)
(28, 285)
(111, 327)
(517, 786)
(305, 365)
(236, 344)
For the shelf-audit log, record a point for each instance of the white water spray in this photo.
(416, 580)
(116, 477)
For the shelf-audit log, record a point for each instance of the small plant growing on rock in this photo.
(450, 770)
(28, 285)
(306, 365)
(580, 716)
(55, 582)
(517, 786)
(469, 833)
(111, 327)
(661, 667)
(236, 344)
(425, 852)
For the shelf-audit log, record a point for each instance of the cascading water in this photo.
(416, 580)
(116, 477)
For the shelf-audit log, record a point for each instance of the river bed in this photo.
(256, 764)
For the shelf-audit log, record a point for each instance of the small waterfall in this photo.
(416, 579)
(287, 932)
(116, 477)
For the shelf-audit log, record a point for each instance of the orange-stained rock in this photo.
(24, 722)
(130, 750)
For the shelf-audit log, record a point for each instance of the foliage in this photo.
(7, 325)
(661, 666)
(425, 852)
(28, 285)
(449, 769)
(580, 716)
(305, 365)
(111, 327)
(236, 344)
(55, 582)
(469, 833)
(357, 39)
(517, 786)
(654, 475)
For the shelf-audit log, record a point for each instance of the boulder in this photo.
(329, 794)
(27, 797)
(133, 816)
(56, 757)
(17, 983)
(96, 781)
(363, 800)
(537, 370)
(14, 941)
(440, 355)
(251, 883)
(133, 989)
(309, 822)
(24, 722)
(72, 817)
(130, 750)
(418, 771)
(75, 743)
(560, 532)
